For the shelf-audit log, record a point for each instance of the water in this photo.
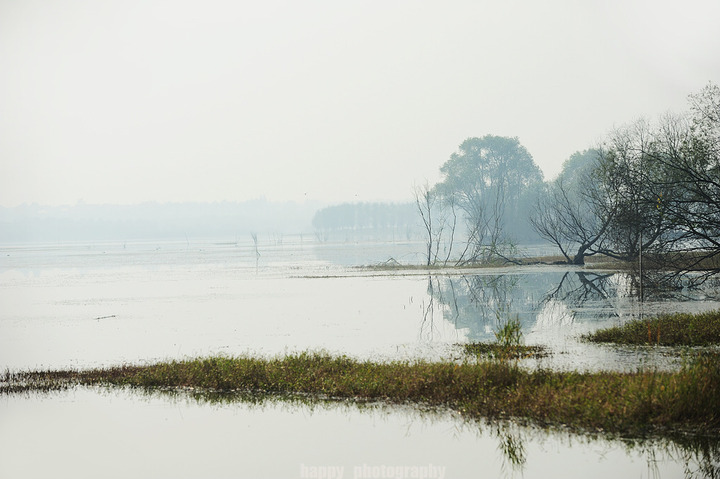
(103, 304)
(80, 305)
(106, 304)
(88, 433)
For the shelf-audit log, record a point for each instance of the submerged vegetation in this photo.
(626, 403)
(680, 329)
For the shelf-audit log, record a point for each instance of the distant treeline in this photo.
(84, 222)
(382, 221)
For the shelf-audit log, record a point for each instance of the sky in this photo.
(130, 101)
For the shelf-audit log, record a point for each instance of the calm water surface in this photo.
(102, 304)
(89, 433)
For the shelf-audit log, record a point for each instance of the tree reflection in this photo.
(473, 302)
(478, 303)
(580, 287)
(427, 326)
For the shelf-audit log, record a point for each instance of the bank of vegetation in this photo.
(680, 329)
(487, 383)
(625, 403)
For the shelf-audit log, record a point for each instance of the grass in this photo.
(508, 341)
(503, 352)
(681, 329)
(625, 403)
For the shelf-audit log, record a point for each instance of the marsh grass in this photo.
(508, 343)
(625, 403)
(681, 329)
(502, 352)
(509, 333)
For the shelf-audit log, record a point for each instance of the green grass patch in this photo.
(681, 329)
(626, 403)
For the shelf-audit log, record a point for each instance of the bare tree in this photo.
(427, 202)
(653, 190)
(577, 209)
(451, 205)
(637, 182)
(689, 152)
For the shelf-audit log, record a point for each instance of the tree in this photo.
(652, 189)
(488, 180)
(365, 220)
(426, 200)
(690, 153)
(575, 211)
(640, 182)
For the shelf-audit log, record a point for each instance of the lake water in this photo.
(87, 433)
(87, 305)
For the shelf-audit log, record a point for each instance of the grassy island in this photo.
(680, 329)
(625, 403)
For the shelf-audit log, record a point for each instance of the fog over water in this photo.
(223, 221)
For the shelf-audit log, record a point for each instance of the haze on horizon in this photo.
(129, 101)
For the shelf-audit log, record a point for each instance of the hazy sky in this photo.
(125, 101)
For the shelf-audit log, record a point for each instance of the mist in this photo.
(226, 221)
(126, 102)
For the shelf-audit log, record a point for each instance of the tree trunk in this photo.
(579, 258)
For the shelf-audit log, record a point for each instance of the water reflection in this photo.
(478, 303)
(699, 456)
(175, 302)
(555, 306)
(245, 435)
(578, 287)
(511, 445)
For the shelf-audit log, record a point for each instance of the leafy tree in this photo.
(489, 180)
